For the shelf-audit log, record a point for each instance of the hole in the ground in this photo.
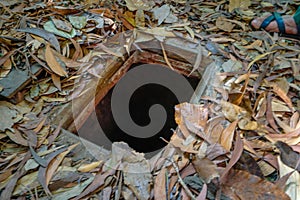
(140, 102)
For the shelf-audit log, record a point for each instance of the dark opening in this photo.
(141, 100)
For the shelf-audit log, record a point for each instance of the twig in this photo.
(189, 193)
(165, 56)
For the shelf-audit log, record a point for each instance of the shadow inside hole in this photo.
(140, 102)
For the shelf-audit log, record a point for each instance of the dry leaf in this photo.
(160, 185)
(179, 143)
(133, 5)
(17, 137)
(56, 81)
(52, 62)
(140, 18)
(224, 25)
(205, 168)
(292, 188)
(90, 166)
(227, 136)
(7, 117)
(161, 13)
(236, 154)
(281, 93)
(50, 37)
(233, 112)
(53, 165)
(243, 4)
(243, 185)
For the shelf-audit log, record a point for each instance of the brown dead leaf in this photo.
(78, 54)
(286, 128)
(179, 143)
(4, 59)
(160, 185)
(10, 185)
(236, 154)
(90, 166)
(17, 137)
(191, 117)
(43, 170)
(6, 64)
(254, 44)
(238, 100)
(52, 62)
(56, 81)
(224, 24)
(214, 129)
(206, 169)
(227, 136)
(97, 183)
(232, 112)
(53, 165)
(243, 185)
(203, 193)
(280, 92)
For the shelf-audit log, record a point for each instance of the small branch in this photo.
(189, 193)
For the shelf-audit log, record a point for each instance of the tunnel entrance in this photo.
(140, 102)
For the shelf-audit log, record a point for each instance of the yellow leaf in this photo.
(90, 166)
(52, 62)
(244, 4)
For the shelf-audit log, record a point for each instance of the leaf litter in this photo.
(239, 142)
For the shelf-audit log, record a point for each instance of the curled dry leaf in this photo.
(90, 166)
(226, 139)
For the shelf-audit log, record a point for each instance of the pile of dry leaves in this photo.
(240, 140)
